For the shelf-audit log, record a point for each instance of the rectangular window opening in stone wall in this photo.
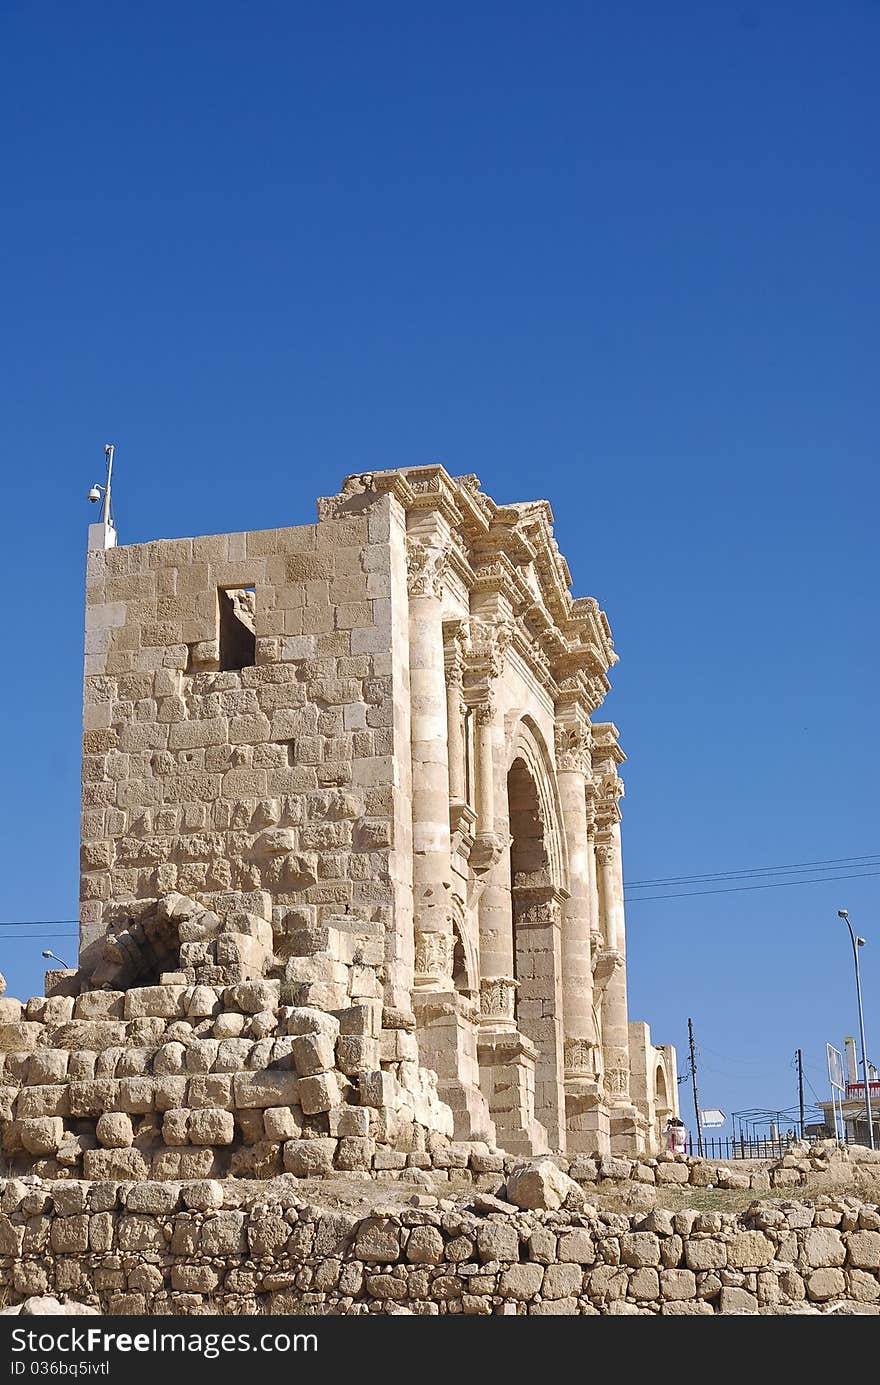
(238, 639)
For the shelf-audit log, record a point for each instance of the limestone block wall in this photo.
(184, 1248)
(274, 779)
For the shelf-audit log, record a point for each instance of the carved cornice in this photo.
(508, 551)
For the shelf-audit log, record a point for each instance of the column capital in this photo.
(425, 567)
(497, 994)
(609, 790)
(433, 960)
(456, 642)
(488, 642)
(605, 853)
(572, 743)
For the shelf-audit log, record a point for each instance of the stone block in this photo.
(577, 1246)
(21, 1038)
(824, 1248)
(210, 1125)
(280, 1123)
(678, 1284)
(864, 1250)
(319, 1093)
(43, 1101)
(93, 1098)
(824, 1284)
(312, 1054)
(267, 1087)
(355, 1152)
(41, 1134)
(47, 1066)
(114, 1130)
(497, 1240)
(161, 1002)
(705, 1254)
(253, 996)
(99, 1005)
(749, 1250)
(378, 1241)
(309, 1158)
(115, 1164)
(521, 1282)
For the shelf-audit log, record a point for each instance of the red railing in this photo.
(856, 1091)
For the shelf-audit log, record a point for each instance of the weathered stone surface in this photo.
(824, 1247)
(864, 1250)
(749, 1250)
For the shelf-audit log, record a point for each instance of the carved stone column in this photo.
(446, 1022)
(615, 1035)
(426, 557)
(455, 636)
(581, 1057)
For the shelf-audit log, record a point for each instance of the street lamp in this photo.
(856, 944)
(51, 955)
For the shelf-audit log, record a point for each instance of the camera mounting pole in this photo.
(108, 453)
(103, 535)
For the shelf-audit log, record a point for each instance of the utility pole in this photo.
(694, 1078)
(800, 1068)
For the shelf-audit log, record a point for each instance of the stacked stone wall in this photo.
(205, 1247)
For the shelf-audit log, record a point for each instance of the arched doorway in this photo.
(662, 1107)
(536, 916)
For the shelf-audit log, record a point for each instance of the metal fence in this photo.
(741, 1147)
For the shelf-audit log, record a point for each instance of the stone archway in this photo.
(662, 1105)
(536, 894)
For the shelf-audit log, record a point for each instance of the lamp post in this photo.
(856, 944)
(51, 955)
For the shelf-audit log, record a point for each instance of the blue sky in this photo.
(623, 256)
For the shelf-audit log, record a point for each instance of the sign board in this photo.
(712, 1118)
(836, 1072)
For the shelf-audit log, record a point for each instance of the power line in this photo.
(828, 861)
(34, 923)
(736, 889)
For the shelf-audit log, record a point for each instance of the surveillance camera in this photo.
(95, 494)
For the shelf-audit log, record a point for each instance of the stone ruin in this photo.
(352, 909)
